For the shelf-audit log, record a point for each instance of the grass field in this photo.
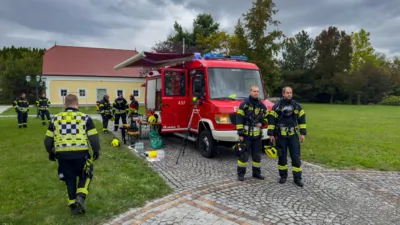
(53, 110)
(346, 136)
(57, 109)
(31, 192)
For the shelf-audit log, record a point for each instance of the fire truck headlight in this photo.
(222, 118)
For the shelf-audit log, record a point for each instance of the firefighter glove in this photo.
(96, 155)
(52, 156)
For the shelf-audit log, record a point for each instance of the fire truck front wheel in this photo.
(207, 144)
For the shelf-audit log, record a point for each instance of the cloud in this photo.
(140, 24)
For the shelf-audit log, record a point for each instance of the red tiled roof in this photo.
(85, 61)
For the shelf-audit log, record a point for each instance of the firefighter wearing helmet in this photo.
(105, 110)
(120, 110)
(285, 119)
(251, 116)
(133, 106)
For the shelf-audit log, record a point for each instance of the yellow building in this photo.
(89, 73)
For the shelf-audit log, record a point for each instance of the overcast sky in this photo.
(139, 24)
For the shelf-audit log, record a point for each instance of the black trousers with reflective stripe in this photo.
(293, 144)
(116, 122)
(105, 118)
(22, 118)
(68, 171)
(44, 113)
(253, 145)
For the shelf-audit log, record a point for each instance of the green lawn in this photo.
(345, 136)
(31, 192)
(57, 109)
(53, 110)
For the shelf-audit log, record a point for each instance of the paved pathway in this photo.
(4, 108)
(207, 192)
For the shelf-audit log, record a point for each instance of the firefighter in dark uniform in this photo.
(286, 120)
(67, 140)
(44, 103)
(133, 106)
(120, 109)
(251, 116)
(105, 110)
(21, 106)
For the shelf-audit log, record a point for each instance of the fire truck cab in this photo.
(219, 83)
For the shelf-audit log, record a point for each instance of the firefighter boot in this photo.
(80, 203)
(257, 173)
(241, 171)
(297, 179)
(283, 174)
(74, 209)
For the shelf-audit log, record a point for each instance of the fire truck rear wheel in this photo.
(207, 144)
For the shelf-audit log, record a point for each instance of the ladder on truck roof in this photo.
(155, 61)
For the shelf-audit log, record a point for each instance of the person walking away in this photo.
(21, 106)
(105, 110)
(133, 106)
(44, 103)
(251, 116)
(120, 107)
(67, 141)
(285, 119)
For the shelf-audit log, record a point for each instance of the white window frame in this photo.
(138, 90)
(79, 93)
(120, 89)
(59, 92)
(95, 94)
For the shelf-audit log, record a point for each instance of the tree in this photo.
(239, 43)
(262, 46)
(298, 53)
(15, 64)
(203, 27)
(333, 48)
(220, 42)
(363, 52)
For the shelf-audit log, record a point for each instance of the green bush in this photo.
(390, 100)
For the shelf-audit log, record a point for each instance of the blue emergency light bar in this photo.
(197, 55)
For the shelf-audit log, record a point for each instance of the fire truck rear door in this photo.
(175, 111)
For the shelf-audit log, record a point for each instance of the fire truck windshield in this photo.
(227, 82)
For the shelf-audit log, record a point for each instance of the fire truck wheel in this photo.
(207, 144)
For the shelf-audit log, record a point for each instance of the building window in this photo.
(82, 93)
(63, 92)
(120, 91)
(174, 83)
(136, 93)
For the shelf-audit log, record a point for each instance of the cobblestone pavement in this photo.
(207, 192)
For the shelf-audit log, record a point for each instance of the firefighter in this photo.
(285, 119)
(251, 116)
(21, 106)
(133, 106)
(105, 111)
(67, 141)
(120, 107)
(44, 103)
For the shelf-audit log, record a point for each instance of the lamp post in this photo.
(38, 84)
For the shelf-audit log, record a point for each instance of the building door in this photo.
(100, 93)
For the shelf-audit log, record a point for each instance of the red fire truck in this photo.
(220, 83)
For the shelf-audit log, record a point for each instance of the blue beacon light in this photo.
(197, 55)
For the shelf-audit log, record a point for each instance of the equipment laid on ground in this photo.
(115, 142)
(271, 151)
(220, 83)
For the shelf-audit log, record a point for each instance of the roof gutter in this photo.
(129, 61)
